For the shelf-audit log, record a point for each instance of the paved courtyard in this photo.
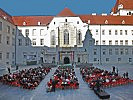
(83, 93)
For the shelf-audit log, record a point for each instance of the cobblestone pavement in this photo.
(83, 93)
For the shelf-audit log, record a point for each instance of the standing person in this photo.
(16, 67)
(9, 68)
(124, 75)
(53, 85)
(117, 71)
(127, 75)
(113, 69)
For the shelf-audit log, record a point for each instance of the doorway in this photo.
(66, 60)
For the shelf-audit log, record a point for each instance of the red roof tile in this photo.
(127, 4)
(32, 20)
(112, 20)
(5, 16)
(66, 13)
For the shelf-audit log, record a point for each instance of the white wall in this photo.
(112, 37)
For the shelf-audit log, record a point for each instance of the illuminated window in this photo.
(66, 36)
(52, 37)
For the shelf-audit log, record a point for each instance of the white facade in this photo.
(112, 34)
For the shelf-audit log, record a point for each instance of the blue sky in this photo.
(53, 7)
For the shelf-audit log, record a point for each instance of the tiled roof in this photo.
(109, 19)
(127, 4)
(66, 13)
(32, 20)
(5, 16)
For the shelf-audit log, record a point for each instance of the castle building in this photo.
(68, 37)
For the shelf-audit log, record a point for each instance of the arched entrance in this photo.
(66, 60)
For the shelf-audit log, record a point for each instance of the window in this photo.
(103, 42)
(116, 42)
(79, 38)
(66, 36)
(132, 32)
(119, 59)
(13, 62)
(41, 41)
(95, 59)
(26, 41)
(7, 55)
(33, 41)
(130, 60)
(33, 32)
(20, 33)
(117, 51)
(53, 37)
(110, 42)
(53, 60)
(77, 22)
(27, 32)
(109, 32)
(25, 55)
(0, 38)
(78, 59)
(0, 55)
(8, 29)
(97, 42)
(54, 23)
(126, 51)
(41, 32)
(126, 42)
(120, 32)
(107, 59)
(8, 40)
(20, 42)
(96, 31)
(104, 51)
(121, 51)
(110, 51)
(125, 32)
(95, 51)
(65, 20)
(0, 26)
(13, 55)
(13, 31)
(90, 42)
(103, 32)
(116, 32)
(121, 42)
(13, 41)
(132, 42)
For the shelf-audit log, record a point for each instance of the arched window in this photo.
(66, 36)
(52, 37)
(79, 38)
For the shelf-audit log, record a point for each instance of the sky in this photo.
(53, 7)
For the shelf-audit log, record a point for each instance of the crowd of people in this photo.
(105, 78)
(27, 78)
(63, 78)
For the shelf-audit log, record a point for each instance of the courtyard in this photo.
(124, 92)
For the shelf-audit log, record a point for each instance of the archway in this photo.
(66, 60)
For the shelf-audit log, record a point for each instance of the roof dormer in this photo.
(120, 6)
